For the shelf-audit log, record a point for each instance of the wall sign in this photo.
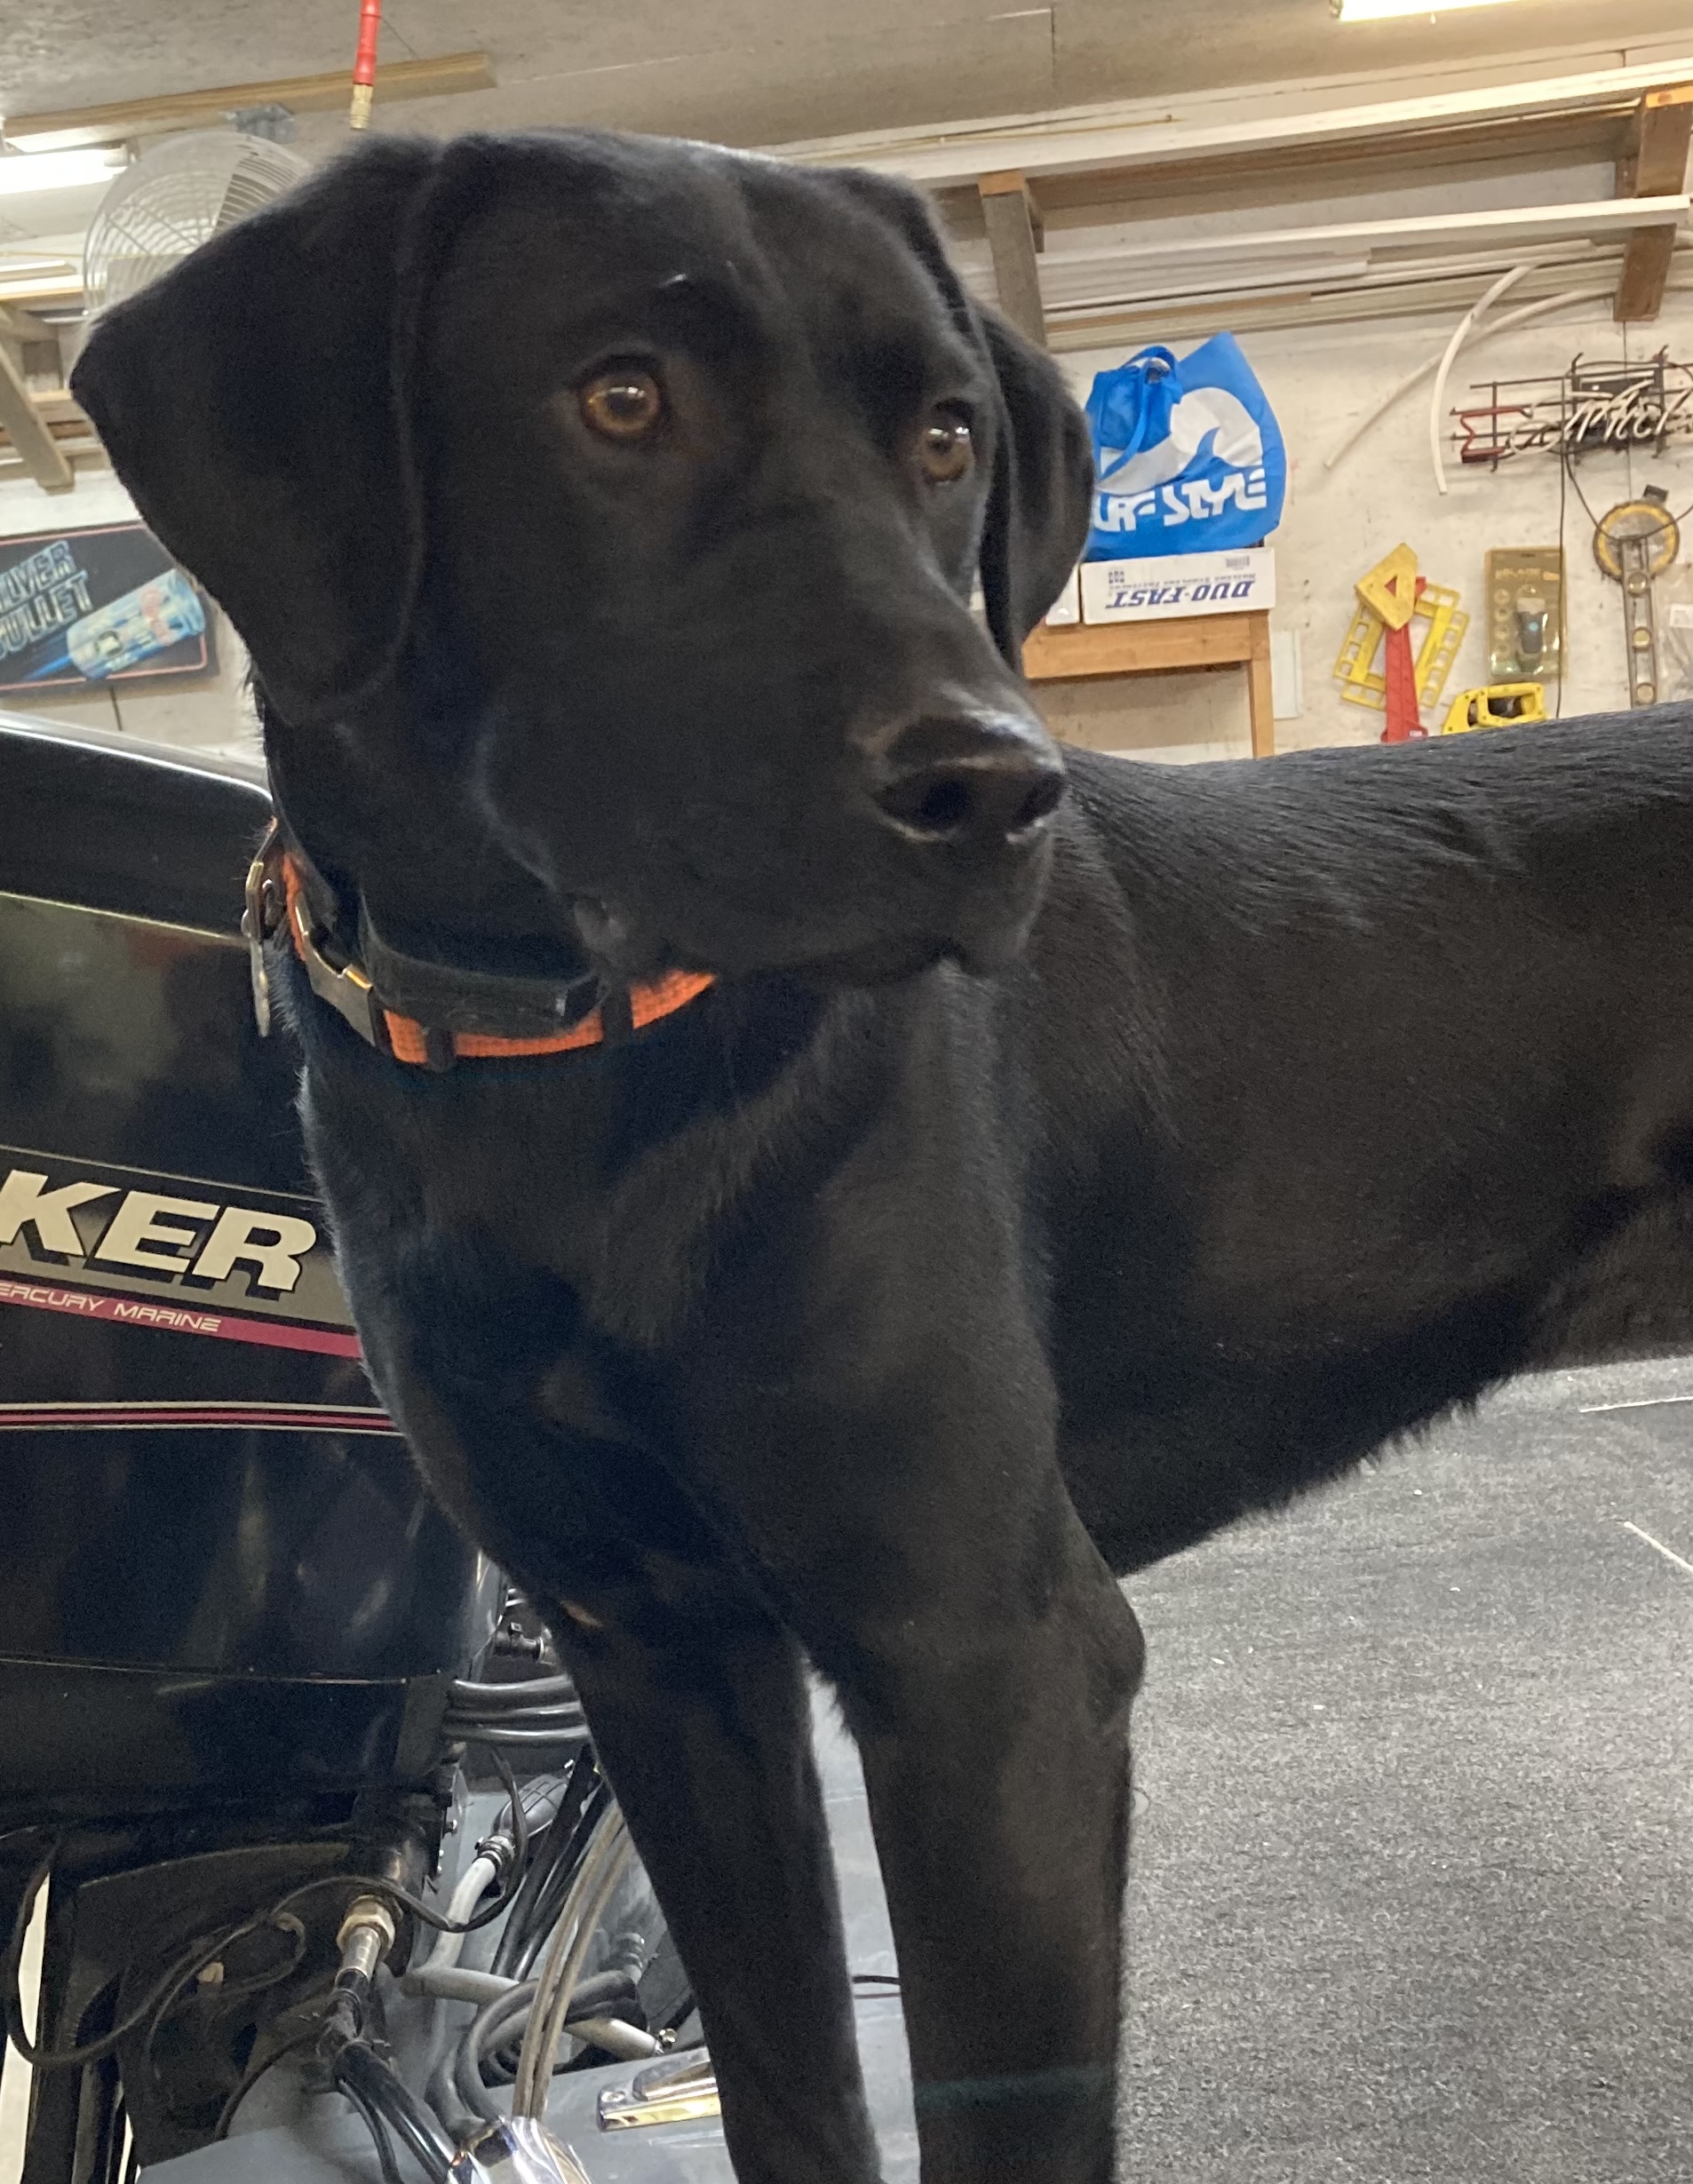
(82, 608)
(1591, 406)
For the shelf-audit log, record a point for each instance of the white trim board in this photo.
(1071, 140)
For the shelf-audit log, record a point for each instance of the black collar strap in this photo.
(418, 1009)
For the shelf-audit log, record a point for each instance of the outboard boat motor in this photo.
(230, 1620)
(299, 1815)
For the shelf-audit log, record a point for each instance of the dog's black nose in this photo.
(973, 782)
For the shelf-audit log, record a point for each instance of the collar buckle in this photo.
(345, 986)
(266, 905)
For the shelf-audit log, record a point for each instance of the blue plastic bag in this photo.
(1188, 456)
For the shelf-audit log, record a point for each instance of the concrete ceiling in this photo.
(770, 71)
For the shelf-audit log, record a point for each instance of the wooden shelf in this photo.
(1094, 651)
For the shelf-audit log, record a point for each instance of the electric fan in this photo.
(174, 198)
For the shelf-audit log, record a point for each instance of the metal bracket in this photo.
(1640, 622)
(261, 917)
(683, 2091)
(1635, 542)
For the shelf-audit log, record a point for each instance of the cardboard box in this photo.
(1179, 583)
(1067, 608)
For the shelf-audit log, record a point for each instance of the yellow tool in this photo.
(1390, 589)
(1442, 624)
(1496, 705)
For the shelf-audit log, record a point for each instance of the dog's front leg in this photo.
(703, 1724)
(986, 1662)
(994, 1740)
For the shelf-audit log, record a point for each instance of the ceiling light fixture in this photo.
(23, 173)
(1379, 11)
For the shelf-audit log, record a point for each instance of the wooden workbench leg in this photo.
(1261, 689)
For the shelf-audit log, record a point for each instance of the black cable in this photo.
(582, 1796)
(152, 2009)
(518, 1951)
(251, 2076)
(149, 2011)
(358, 2067)
(605, 1994)
(1569, 467)
(424, 1914)
(1563, 563)
(519, 1827)
(378, 2131)
(484, 2027)
(443, 2095)
(503, 2018)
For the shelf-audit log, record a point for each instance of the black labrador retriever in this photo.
(812, 1188)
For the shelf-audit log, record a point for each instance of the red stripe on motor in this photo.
(174, 1319)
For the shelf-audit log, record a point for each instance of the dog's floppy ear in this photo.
(1042, 486)
(1042, 465)
(254, 403)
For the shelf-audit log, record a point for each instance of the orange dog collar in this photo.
(278, 895)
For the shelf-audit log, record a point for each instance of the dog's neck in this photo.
(431, 877)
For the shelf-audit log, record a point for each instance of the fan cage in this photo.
(174, 198)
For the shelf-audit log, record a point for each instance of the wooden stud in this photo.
(1260, 687)
(1645, 274)
(1011, 219)
(76, 126)
(1012, 182)
(34, 444)
(1654, 165)
(17, 324)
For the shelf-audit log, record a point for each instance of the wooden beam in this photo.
(1211, 125)
(1655, 165)
(29, 434)
(1090, 651)
(21, 325)
(1298, 173)
(1009, 214)
(75, 126)
(1260, 687)
(51, 290)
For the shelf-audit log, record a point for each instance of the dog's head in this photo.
(617, 503)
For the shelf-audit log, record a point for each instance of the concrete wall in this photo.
(1339, 523)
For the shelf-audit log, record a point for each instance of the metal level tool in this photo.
(1635, 542)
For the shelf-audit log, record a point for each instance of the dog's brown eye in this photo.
(945, 448)
(623, 403)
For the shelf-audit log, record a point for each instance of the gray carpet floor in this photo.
(1412, 1893)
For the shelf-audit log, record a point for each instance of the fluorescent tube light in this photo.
(1378, 10)
(21, 172)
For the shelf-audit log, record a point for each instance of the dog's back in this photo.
(1381, 1090)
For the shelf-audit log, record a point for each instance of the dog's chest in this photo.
(511, 1248)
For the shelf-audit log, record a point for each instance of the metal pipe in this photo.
(1518, 317)
(1477, 310)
